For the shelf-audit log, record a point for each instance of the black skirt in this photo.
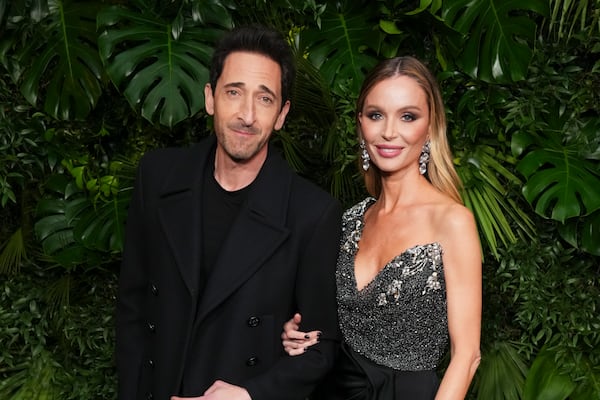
(355, 377)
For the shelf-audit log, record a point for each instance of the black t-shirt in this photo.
(219, 210)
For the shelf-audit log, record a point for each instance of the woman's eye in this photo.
(375, 116)
(408, 117)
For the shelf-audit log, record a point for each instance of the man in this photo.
(224, 244)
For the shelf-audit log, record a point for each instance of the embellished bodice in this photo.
(400, 318)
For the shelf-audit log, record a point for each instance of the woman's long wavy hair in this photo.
(440, 169)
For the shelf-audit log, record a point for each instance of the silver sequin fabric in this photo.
(400, 318)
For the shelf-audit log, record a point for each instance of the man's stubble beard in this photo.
(239, 151)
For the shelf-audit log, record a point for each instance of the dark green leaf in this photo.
(560, 184)
(497, 36)
(485, 180)
(162, 75)
(65, 66)
(583, 233)
(544, 381)
(501, 374)
(339, 48)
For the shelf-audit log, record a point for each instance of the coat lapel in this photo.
(179, 212)
(258, 231)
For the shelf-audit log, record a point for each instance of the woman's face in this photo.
(395, 124)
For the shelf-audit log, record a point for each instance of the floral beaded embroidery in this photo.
(354, 216)
(393, 293)
(420, 258)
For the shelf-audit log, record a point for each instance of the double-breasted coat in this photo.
(278, 258)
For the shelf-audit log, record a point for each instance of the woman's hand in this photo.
(294, 341)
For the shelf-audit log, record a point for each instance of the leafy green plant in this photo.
(339, 48)
(496, 36)
(501, 374)
(161, 66)
(23, 150)
(485, 193)
(569, 17)
(12, 253)
(34, 380)
(544, 380)
(560, 182)
(64, 353)
(341, 147)
(483, 162)
(74, 229)
(58, 61)
(555, 128)
(25, 156)
(552, 294)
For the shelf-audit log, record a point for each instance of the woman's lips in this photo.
(389, 151)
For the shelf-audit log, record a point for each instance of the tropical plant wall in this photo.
(86, 87)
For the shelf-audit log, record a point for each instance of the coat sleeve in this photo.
(132, 287)
(296, 377)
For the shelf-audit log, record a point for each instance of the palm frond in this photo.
(501, 374)
(13, 253)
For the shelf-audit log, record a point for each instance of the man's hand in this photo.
(220, 391)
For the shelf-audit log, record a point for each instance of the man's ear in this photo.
(281, 117)
(209, 100)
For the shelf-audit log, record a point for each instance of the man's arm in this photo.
(129, 332)
(296, 377)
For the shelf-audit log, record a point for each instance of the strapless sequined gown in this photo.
(395, 329)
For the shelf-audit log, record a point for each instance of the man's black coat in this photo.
(278, 258)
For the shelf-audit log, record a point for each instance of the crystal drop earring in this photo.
(364, 155)
(424, 158)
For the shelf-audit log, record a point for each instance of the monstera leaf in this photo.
(560, 183)
(497, 33)
(160, 67)
(75, 230)
(63, 64)
(583, 233)
(338, 48)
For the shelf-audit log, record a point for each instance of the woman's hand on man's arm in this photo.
(294, 341)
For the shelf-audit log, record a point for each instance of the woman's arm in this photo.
(462, 270)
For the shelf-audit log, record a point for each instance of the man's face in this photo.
(246, 106)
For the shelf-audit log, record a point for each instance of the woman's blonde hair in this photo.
(440, 169)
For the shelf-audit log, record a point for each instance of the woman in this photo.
(409, 268)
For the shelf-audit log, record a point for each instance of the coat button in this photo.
(252, 361)
(253, 322)
(154, 289)
(151, 363)
(149, 396)
(151, 327)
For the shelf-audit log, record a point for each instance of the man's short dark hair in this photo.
(260, 40)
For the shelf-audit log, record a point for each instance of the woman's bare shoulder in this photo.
(454, 223)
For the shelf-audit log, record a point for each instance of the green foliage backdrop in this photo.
(86, 87)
